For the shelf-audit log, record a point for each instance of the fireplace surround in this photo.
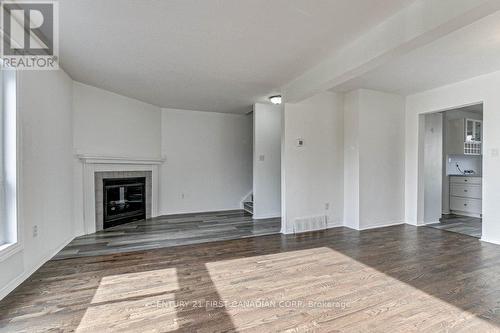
(97, 168)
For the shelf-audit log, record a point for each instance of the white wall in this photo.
(313, 174)
(351, 159)
(433, 167)
(208, 161)
(46, 175)
(374, 145)
(469, 92)
(267, 160)
(109, 124)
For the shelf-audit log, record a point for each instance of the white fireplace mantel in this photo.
(96, 163)
(97, 159)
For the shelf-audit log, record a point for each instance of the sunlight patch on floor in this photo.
(321, 288)
(142, 301)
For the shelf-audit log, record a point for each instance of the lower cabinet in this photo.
(466, 195)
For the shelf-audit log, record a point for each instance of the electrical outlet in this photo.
(182, 196)
(35, 231)
(327, 206)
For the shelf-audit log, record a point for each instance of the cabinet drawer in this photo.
(466, 191)
(466, 180)
(466, 205)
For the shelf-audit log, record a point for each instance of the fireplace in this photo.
(124, 200)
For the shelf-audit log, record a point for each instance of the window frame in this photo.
(15, 244)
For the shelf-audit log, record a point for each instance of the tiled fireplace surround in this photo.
(96, 168)
(99, 194)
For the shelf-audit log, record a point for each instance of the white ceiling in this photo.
(211, 55)
(468, 52)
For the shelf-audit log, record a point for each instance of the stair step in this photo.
(248, 206)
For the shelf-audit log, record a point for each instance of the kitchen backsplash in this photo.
(465, 163)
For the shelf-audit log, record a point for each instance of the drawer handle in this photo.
(465, 204)
(465, 180)
(466, 191)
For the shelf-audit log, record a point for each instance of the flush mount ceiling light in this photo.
(275, 99)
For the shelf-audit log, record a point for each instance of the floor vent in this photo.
(305, 224)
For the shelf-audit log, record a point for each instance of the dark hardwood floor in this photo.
(395, 279)
(470, 226)
(171, 230)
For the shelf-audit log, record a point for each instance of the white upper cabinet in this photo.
(464, 137)
(473, 130)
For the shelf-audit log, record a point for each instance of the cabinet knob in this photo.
(465, 204)
(466, 191)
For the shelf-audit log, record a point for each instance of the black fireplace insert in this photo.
(124, 200)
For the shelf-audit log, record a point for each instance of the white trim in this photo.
(392, 224)
(490, 241)
(99, 159)
(14, 283)
(9, 249)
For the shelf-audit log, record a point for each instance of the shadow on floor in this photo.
(400, 277)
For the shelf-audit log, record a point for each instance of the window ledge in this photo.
(9, 249)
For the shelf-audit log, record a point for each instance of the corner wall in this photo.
(267, 160)
(313, 174)
(110, 125)
(374, 162)
(208, 161)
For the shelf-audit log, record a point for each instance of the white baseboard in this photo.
(16, 282)
(385, 225)
(270, 216)
(489, 240)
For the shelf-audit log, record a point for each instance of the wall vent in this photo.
(314, 223)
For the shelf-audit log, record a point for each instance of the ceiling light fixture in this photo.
(275, 99)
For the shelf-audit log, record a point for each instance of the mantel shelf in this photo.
(97, 159)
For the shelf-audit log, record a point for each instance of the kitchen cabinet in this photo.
(466, 195)
(464, 137)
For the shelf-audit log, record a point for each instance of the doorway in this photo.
(453, 170)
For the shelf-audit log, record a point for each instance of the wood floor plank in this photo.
(395, 279)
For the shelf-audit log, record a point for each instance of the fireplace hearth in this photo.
(124, 200)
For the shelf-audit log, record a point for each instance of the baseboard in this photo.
(427, 223)
(391, 224)
(270, 216)
(490, 241)
(16, 282)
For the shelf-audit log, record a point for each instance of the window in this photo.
(8, 157)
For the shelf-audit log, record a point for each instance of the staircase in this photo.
(248, 205)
